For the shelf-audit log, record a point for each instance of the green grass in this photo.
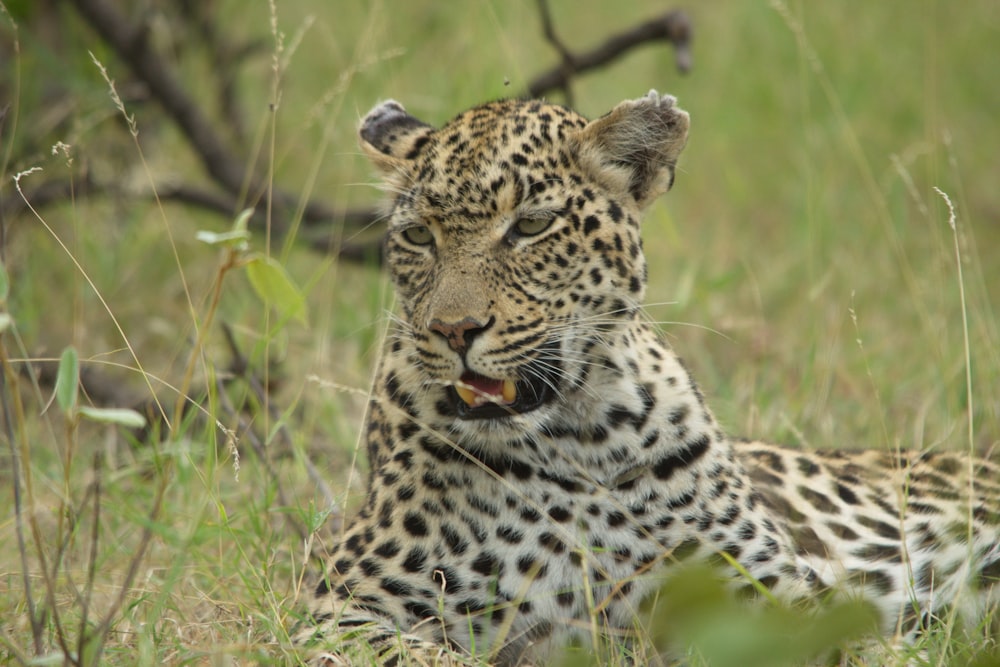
(803, 266)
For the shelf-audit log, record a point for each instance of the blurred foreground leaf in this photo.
(696, 611)
(275, 288)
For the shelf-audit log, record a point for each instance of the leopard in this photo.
(540, 458)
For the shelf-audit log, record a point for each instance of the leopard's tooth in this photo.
(509, 391)
(467, 394)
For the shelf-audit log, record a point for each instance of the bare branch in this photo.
(131, 44)
(56, 191)
(673, 27)
(567, 66)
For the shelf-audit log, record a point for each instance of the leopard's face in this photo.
(513, 241)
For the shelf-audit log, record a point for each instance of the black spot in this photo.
(483, 505)
(818, 500)
(678, 415)
(808, 542)
(407, 429)
(446, 579)
(881, 528)
(878, 579)
(388, 549)
(615, 211)
(510, 534)
(747, 531)
(877, 552)
(922, 508)
(551, 542)
(342, 566)
(926, 577)
(415, 560)
(559, 514)
(688, 454)
(841, 531)
(847, 495)
(487, 564)
(565, 483)
(530, 515)
(682, 500)
(591, 224)
(456, 543)
(733, 550)
(807, 467)
(617, 415)
(415, 524)
(371, 567)
(396, 587)
(420, 609)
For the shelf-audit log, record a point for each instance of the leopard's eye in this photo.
(418, 235)
(532, 226)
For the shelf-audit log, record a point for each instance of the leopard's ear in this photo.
(390, 137)
(635, 146)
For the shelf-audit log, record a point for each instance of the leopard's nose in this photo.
(460, 334)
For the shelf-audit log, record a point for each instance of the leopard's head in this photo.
(513, 241)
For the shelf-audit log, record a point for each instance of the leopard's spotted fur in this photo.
(537, 450)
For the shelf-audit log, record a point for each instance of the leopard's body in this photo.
(539, 454)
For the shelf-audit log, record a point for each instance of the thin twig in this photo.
(95, 491)
(18, 466)
(258, 388)
(140, 553)
(240, 366)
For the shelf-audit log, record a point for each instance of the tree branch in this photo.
(322, 239)
(673, 27)
(227, 169)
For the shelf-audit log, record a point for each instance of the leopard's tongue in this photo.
(476, 390)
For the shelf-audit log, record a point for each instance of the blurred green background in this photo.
(803, 264)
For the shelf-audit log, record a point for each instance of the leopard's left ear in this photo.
(635, 147)
(391, 137)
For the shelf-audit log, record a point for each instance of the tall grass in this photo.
(804, 219)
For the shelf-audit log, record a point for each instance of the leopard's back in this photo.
(895, 527)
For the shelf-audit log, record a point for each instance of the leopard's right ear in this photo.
(391, 137)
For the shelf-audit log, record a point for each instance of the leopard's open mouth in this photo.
(475, 396)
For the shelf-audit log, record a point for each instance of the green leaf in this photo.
(242, 222)
(275, 287)
(120, 416)
(234, 239)
(237, 237)
(68, 381)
